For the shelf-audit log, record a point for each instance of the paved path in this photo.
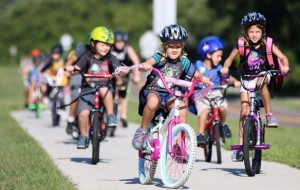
(118, 166)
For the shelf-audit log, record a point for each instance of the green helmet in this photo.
(102, 34)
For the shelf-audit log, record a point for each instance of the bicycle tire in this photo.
(147, 169)
(176, 169)
(217, 136)
(37, 108)
(55, 116)
(208, 146)
(252, 156)
(95, 138)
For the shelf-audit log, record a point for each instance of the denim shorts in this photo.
(164, 97)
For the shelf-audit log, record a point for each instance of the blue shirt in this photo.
(213, 74)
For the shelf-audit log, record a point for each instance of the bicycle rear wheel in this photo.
(176, 167)
(217, 130)
(252, 156)
(95, 138)
(147, 168)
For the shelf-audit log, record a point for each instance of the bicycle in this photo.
(37, 105)
(253, 128)
(213, 128)
(97, 129)
(172, 142)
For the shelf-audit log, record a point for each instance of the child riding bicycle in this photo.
(127, 56)
(210, 49)
(172, 62)
(98, 61)
(254, 62)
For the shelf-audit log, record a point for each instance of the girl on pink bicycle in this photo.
(172, 62)
(210, 49)
(254, 61)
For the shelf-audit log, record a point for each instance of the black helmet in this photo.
(252, 18)
(121, 36)
(57, 48)
(173, 32)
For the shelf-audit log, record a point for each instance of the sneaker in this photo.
(111, 120)
(271, 120)
(124, 122)
(69, 128)
(201, 140)
(237, 156)
(226, 131)
(139, 139)
(82, 142)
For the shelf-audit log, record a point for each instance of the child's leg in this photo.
(107, 100)
(83, 120)
(202, 120)
(265, 96)
(245, 110)
(151, 106)
(223, 115)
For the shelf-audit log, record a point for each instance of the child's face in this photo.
(102, 49)
(56, 56)
(174, 50)
(254, 34)
(216, 57)
(120, 45)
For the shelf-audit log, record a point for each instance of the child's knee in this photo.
(84, 114)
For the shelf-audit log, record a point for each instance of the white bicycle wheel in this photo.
(176, 168)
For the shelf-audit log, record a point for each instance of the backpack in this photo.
(274, 62)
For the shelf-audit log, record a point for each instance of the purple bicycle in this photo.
(172, 142)
(253, 128)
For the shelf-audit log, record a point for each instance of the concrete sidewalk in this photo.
(118, 168)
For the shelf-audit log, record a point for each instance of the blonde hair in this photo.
(164, 56)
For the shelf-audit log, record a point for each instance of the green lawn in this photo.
(24, 164)
(284, 141)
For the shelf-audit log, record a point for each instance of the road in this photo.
(118, 166)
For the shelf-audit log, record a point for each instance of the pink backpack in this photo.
(276, 82)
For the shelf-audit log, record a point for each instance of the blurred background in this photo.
(26, 24)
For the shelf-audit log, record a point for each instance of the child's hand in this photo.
(224, 70)
(284, 69)
(205, 80)
(145, 67)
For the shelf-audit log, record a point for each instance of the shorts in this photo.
(204, 103)
(75, 83)
(86, 101)
(252, 83)
(164, 97)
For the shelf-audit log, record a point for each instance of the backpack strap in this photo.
(269, 52)
(241, 46)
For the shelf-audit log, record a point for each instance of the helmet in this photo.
(252, 18)
(102, 34)
(121, 36)
(173, 32)
(57, 48)
(35, 52)
(209, 44)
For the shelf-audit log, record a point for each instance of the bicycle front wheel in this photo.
(95, 138)
(37, 108)
(217, 130)
(176, 166)
(252, 156)
(55, 115)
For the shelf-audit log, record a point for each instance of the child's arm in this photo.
(147, 65)
(283, 58)
(204, 79)
(229, 61)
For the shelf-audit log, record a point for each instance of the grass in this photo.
(24, 164)
(284, 141)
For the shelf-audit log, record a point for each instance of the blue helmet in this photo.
(209, 44)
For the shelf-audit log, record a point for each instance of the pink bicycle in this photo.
(172, 142)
